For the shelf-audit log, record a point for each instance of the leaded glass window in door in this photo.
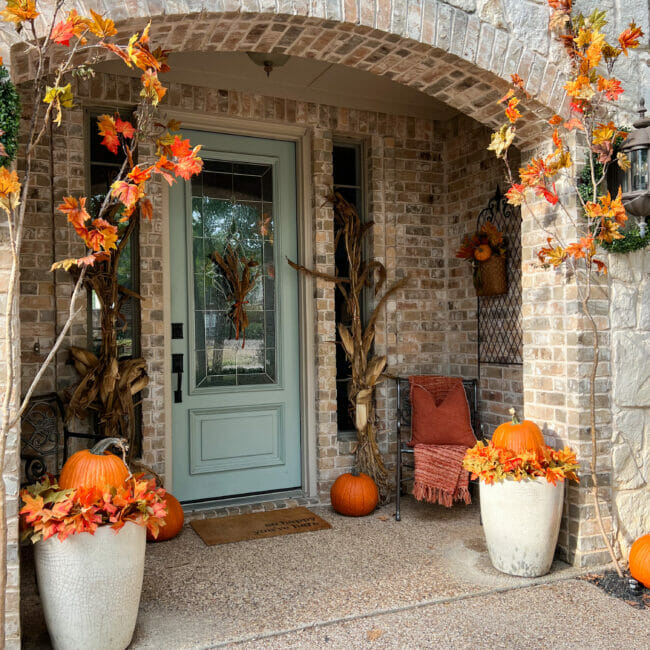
(232, 203)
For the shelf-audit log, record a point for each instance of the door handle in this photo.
(177, 368)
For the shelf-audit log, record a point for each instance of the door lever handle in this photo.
(177, 368)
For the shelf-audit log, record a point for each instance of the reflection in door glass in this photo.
(232, 203)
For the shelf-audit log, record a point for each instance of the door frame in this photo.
(306, 302)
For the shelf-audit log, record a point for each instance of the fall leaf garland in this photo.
(50, 510)
(493, 464)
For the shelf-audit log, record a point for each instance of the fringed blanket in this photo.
(439, 474)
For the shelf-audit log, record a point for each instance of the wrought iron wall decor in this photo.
(41, 435)
(500, 337)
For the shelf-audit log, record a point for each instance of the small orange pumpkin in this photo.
(640, 560)
(518, 436)
(94, 467)
(173, 521)
(482, 252)
(354, 494)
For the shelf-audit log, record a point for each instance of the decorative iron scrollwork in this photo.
(500, 337)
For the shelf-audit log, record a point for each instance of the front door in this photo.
(236, 406)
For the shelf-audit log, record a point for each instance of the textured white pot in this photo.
(90, 587)
(521, 521)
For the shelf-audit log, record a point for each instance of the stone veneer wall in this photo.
(630, 350)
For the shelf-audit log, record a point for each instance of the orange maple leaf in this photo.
(139, 176)
(151, 86)
(180, 148)
(75, 210)
(19, 10)
(512, 113)
(9, 183)
(102, 27)
(190, 165)
(126, 193)
(611, 88)
(124, 128)
(629, 38)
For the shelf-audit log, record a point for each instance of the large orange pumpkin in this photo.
(354, 494)
(518, 436)
(94, 467)
(640, 560)
(173, 521)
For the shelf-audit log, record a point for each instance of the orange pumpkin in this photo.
(482, 252)
(354, 495)
(173, 521)
(640, 560)
(518, 436)
(94, 467)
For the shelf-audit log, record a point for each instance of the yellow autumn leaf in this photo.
(604, 133)
(19, 10)
(623, 161)
(59, 96)
(65, 264)
(501, 140)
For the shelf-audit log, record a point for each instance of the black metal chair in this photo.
(405, 452)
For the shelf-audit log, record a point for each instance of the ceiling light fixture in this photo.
(268, 60)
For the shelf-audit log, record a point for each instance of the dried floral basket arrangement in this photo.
(485, 249)
(237, 272)
(492, 464)
(50, 510)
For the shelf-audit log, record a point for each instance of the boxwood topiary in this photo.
(9, 116)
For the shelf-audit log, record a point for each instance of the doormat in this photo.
(257, 525)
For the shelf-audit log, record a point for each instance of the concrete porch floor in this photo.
(371, 582)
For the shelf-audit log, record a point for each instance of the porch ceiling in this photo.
(300, 78)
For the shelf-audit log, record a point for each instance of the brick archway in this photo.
(440, 50)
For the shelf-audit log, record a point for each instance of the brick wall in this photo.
(473, 174)
(427, 182)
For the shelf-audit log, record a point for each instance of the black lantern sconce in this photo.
(635, 182)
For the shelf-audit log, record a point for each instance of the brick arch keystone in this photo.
(439, 49)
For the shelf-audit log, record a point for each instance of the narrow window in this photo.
(103, 168)
(348, 181)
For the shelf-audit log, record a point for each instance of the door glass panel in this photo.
(232, 203)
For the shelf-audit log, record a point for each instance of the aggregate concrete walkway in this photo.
(366, 583)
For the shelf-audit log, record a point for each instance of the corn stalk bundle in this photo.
(235, 268)
(366, 368)
(108, 385)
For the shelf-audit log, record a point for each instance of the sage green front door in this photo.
(236, 405)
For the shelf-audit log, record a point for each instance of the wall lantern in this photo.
(268, 60)
(635, 182)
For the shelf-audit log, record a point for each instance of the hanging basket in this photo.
(490, 277)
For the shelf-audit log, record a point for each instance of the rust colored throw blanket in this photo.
(439, 474)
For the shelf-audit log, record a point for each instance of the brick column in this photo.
(11, 469)
(557, 365)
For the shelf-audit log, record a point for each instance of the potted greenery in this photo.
(89, 548)
(521, 496)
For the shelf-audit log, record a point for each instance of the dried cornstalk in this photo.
(366, 368)
(236, 271)
(108, 384)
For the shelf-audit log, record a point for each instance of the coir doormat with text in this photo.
(258, 525)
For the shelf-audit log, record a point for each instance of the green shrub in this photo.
(9, 116)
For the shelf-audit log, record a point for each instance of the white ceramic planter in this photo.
(521, 521)
(90, 587)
